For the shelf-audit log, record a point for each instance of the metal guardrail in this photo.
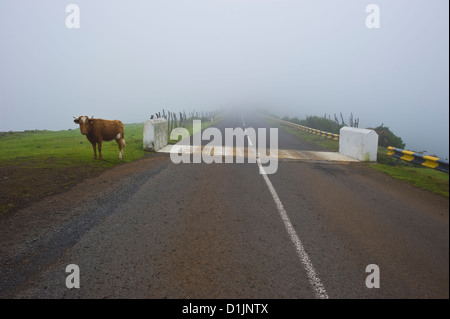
(424, 160)
(329, 135)
(410, 156)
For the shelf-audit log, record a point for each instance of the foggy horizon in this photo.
(131, 59)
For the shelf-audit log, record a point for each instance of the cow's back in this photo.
(108, 129)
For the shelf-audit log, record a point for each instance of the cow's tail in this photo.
(122, 140)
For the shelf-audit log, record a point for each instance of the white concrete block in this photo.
(357, 143)
(155, 134)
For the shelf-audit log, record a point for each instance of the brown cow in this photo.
(98, 130)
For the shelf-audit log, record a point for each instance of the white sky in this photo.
(132, 58)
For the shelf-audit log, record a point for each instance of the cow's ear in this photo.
(91, 121)
(77, 121)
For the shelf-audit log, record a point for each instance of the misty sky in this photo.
(132, 58)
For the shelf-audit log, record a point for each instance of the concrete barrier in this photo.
(155, 134)
(357, 143)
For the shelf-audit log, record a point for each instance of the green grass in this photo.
(326, 143)
(420, 176)
(34, 164)
(423, 177)
(68, 146)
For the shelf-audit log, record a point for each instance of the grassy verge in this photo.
(326, 143)
(35, 164)
(426, 178)
(423, 177)
(67, 146)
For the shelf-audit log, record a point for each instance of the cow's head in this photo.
(85, 123)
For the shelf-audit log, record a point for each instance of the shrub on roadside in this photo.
(387, 138)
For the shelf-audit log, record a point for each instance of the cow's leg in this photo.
(120, 143)
(99, 149)
(95, 149)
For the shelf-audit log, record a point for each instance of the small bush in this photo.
(321, 123)
(387, 138)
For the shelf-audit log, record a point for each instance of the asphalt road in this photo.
(155, 229)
